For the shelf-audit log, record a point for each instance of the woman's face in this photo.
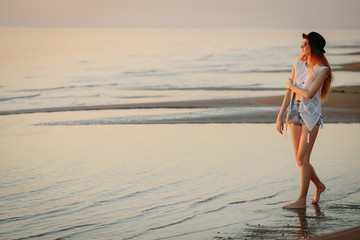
(305, 47)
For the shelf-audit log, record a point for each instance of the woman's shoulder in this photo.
(319, 68)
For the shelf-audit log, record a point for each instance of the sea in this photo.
(61, 67)
(112, 174)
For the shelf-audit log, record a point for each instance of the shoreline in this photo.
(342, 106)
(348, 234)
(352, 67)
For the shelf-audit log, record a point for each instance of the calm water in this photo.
(75, 67)
(192, 181)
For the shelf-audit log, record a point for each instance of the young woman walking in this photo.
(309, 83)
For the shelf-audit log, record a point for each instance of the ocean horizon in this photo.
(67, 67)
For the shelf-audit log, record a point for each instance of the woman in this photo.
(309, 83)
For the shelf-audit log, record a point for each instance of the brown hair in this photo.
(317, 57)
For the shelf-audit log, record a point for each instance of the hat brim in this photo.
(305, 36)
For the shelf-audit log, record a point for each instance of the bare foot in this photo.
(296, 205)
(318, 191)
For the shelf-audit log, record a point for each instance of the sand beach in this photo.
(348, 234)
(342, 106)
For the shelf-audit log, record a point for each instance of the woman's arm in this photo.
(280, 117)
(287, 96)
(284, 106)
(314, 87)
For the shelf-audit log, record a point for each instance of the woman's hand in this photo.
(289, 84)
(280, 124)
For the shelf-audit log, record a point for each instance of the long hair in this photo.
(317, 57)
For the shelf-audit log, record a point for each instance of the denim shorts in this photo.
(295, 116)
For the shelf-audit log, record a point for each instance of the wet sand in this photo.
(348, 234)
(342, 106)
(349, 66)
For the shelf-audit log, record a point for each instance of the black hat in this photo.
(316, 39)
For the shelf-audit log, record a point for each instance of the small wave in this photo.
(127, 196)
(353, 192)
(38, 76)
(208, 199)
(63, 87)
(160, 227)
(213, 66)
(173, 118)
(164, 206)
(171, 224)
(81, 62)
(260, 71)
(56, 231)
(216, 210)
(139, 97)
(141, 72)
(276, 203)
(256, 199)
(130, 195)
(204, 58)
(149, 119)
(150, 73)
(238, 202)
(343, 195)
(249, 88)
(76, 96)
(345, 206)
(263, 198)
(20, 97)
(42, 89)
(31, 216)
(15, 195)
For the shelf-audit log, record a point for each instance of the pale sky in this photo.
(181, 13)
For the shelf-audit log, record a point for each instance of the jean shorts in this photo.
(295, 116)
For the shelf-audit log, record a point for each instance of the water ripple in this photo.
(56, 231)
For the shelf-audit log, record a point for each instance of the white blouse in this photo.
(310, 109)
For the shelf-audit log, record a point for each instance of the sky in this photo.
(181, 13)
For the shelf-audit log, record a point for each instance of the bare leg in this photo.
(302, 151)
(319, 189)
(296, 135)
